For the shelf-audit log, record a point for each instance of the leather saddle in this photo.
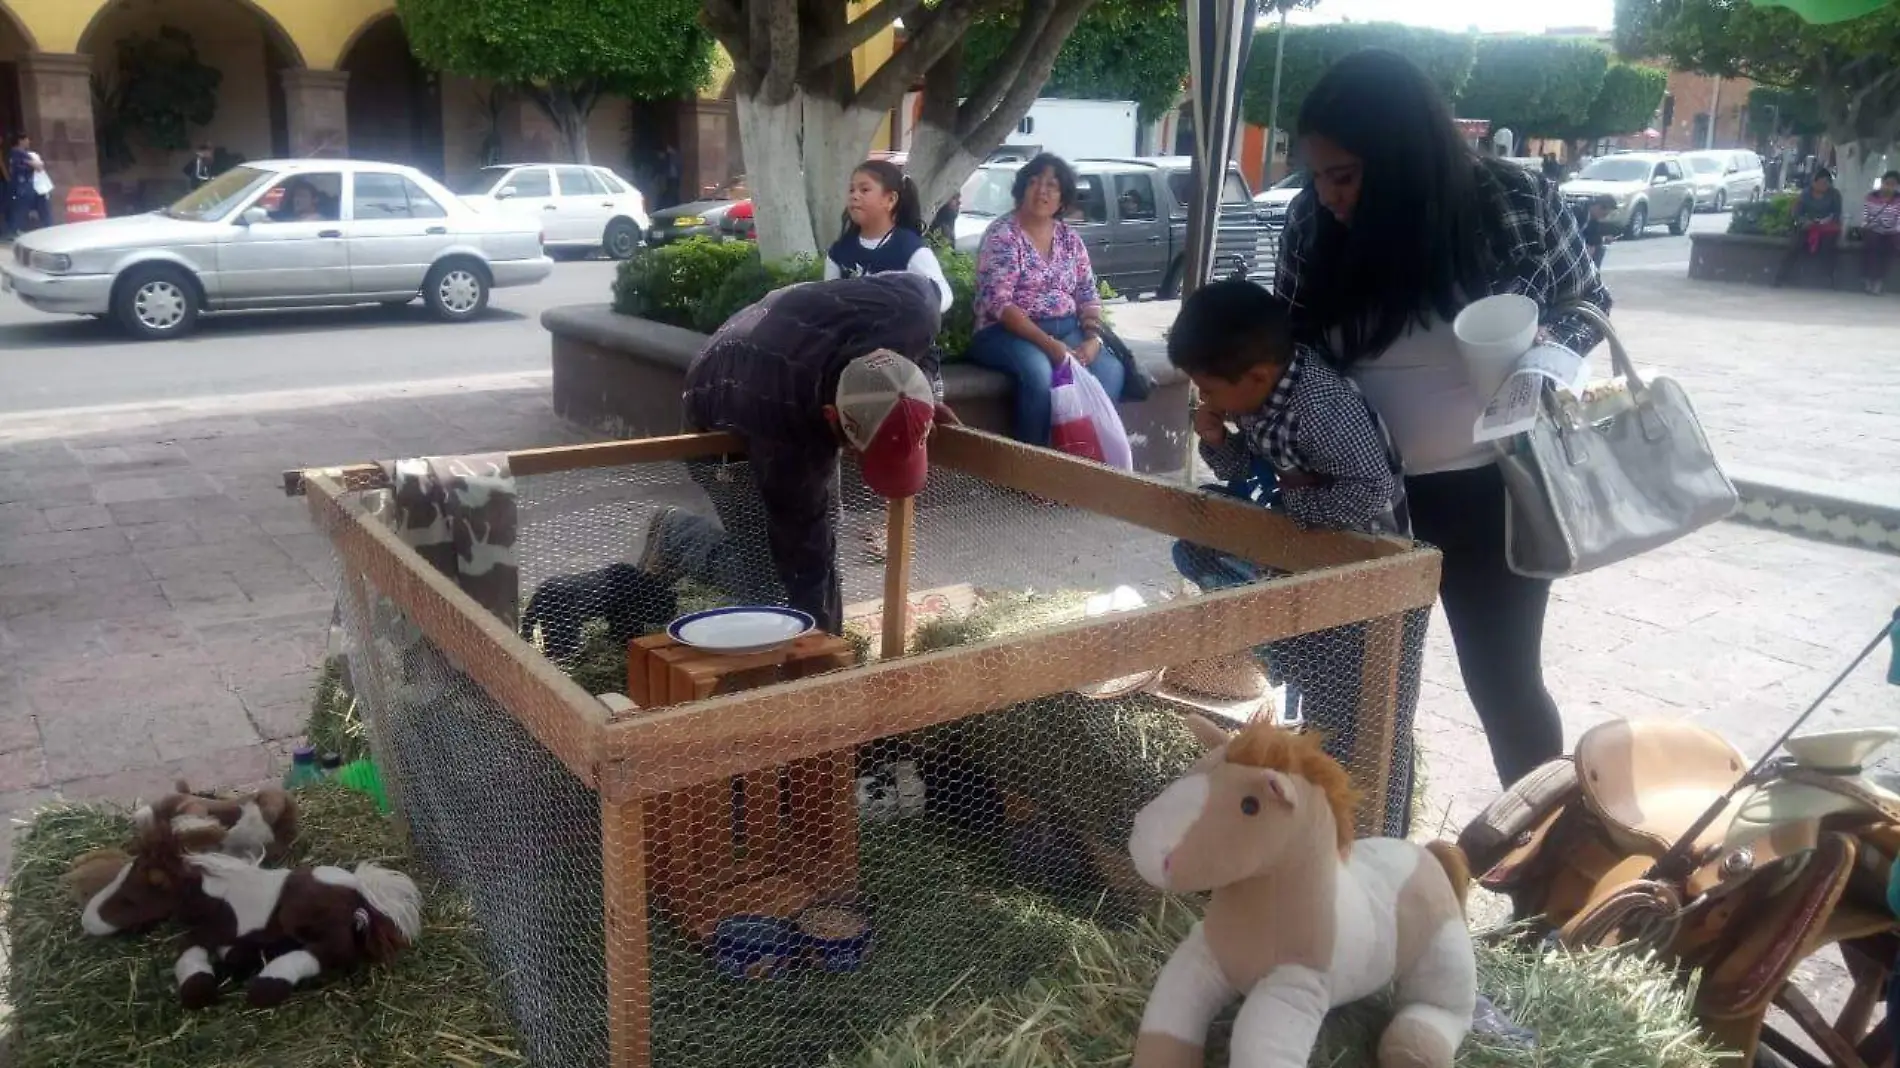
(1795, 863)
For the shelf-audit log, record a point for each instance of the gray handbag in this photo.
(1619, 471)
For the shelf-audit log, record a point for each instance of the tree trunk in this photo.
(799, 156)
(1860, 162)
(567, 108)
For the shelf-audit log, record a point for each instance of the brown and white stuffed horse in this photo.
(1302, 918)
(262, 824)
(277, 926)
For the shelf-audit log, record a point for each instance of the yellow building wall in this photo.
(320, 30)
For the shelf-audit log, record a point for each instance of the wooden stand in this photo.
(767, 842)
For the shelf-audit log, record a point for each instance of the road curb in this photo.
(1818, 508)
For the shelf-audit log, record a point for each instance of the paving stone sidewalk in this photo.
(1799, 384)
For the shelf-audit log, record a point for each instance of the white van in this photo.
(1724, 176)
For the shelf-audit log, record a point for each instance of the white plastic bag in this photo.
(1083, 421)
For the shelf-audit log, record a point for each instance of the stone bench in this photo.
(1754, 258)
(622, 376)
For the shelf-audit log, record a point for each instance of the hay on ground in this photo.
(80, 1000)
(1599, 1010)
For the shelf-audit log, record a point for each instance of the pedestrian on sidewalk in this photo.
(1400, 227)
(805, 372)
(29, 183)
(1593, 221)
(1817, 228)
(1329, 464)
(198, 169)
(1880, 232)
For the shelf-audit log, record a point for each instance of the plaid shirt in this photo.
(1535, 245)
(1316, 422)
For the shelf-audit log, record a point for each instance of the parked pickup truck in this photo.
(1132, 214)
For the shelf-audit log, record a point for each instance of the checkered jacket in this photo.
(1535, 245)
(1317, 422)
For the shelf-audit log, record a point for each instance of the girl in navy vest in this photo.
(884, 230)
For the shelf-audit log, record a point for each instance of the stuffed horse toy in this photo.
(262, 824)
(1302, 918)
(278, 926)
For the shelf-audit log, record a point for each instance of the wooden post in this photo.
(1377, 722)
(900, 523)
(623, 871)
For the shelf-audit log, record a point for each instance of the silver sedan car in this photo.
(280, 234)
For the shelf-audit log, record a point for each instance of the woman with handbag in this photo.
(1402, 225)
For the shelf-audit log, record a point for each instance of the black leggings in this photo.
(1496, 616)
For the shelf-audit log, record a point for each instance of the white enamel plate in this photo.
(740, 629)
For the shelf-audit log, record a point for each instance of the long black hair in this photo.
(892, 179)
(1415, 246)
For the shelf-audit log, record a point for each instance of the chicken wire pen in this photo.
(765, 869)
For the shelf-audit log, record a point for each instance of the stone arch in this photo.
(274, 31)
(392, 102)
(370, 22)
(12, 26)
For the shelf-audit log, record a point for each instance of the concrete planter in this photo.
(622, 376)
(1753, 259)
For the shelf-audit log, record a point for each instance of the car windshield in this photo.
(1234, 192)
(1703, 164)
(987, 192)
(216, 198)
(1614, 169)
(1295, 180)
(480, 182)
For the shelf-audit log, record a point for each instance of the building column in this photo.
(317, 112)
(704, 125)
(56, 107)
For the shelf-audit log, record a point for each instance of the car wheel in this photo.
(621, 239)
(1639, 221)
(1680, 224)
(1171, 281)
(456, 291)
(156, 302)
(1721, 200)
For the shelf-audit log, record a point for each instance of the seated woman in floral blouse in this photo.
(1035, 297)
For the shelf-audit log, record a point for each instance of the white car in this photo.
(1724, 176)
(279, 234)
(580, 208)
(1271, 203)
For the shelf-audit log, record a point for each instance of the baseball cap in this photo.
(885, 408)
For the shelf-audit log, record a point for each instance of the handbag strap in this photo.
(1619, 356)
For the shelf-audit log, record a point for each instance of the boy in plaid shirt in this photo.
(1278, 412)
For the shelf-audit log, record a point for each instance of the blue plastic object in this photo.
(756, 947)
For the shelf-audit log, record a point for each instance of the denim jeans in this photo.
(1029, 368)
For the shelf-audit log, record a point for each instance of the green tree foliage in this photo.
(1852, 68)
(1446, 57)
(1121, 50)
(1626, 103)
(1773, 111)
(1537, 86)
(157, 90)
(565, 54)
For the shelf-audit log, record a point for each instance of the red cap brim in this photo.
(896, 464)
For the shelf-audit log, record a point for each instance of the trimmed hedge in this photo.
(699, 284)
(1773, 217)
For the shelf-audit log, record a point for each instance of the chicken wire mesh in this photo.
(802, 908)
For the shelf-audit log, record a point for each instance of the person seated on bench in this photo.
(1036, 303)
(1817, 227)
(1880, 232)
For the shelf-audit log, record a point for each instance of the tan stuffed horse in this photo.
(1302, 918)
